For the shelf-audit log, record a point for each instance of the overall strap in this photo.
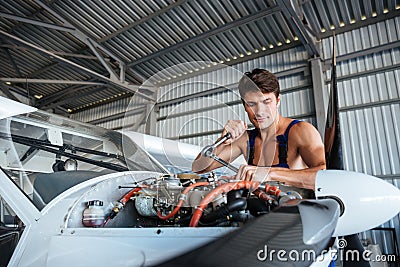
(252, 138)
(291, 124)
(283, 140)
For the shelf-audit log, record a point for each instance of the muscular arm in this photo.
(299, 178)
(307, 141)
(312, 151)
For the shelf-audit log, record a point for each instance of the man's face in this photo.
(262, 108)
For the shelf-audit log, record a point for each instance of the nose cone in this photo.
(367, 201)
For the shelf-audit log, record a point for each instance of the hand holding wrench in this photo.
(208, 151)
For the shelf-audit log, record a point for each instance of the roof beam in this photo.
(278, 49)
(99, 103)
(36, 22)
(207, 34)
(78, 33)
(113, 75)
(16, 69)
(59, 94)
(299, 28)
(18, 90)
(74, 97)
(123, 85)
(142, 20)
(61, 53)
(48, 67)
(36, 12)
(75, 55)
(61, 111)
(92, 44)
(42, 70)
(47, 81)
(7, 92)
(360, 24)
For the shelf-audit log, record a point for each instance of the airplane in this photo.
(75, 194)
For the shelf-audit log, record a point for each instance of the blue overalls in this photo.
(282, 140)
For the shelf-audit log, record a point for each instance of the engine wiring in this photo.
(181, 200)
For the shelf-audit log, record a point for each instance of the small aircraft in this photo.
(74, 194)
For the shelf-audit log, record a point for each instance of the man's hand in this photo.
(253, 173)
(236, 128)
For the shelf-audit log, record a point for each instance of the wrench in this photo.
(208, 151)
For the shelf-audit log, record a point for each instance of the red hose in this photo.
(273, 190)
(178, 206)
(128, 195)
(262, 195)
(225, 188)
(117, 208)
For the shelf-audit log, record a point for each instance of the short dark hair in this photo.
(259, 80)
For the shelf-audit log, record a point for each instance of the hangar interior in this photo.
(170, 68)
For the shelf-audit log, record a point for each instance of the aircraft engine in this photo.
(175, 200)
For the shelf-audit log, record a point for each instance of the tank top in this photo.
(281, 139)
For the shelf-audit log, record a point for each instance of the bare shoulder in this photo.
(241, 142)
(305, 126)
(305, 133)
(307, 141)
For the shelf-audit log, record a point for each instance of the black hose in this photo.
(223, 211)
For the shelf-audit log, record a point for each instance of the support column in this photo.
(320, 94)
(150, 126)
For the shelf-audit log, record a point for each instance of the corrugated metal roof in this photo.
(150, 36)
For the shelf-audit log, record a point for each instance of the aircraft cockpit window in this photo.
(45, 154)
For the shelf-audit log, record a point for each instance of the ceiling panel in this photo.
(150, 36)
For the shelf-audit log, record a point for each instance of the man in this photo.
(278, 149)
